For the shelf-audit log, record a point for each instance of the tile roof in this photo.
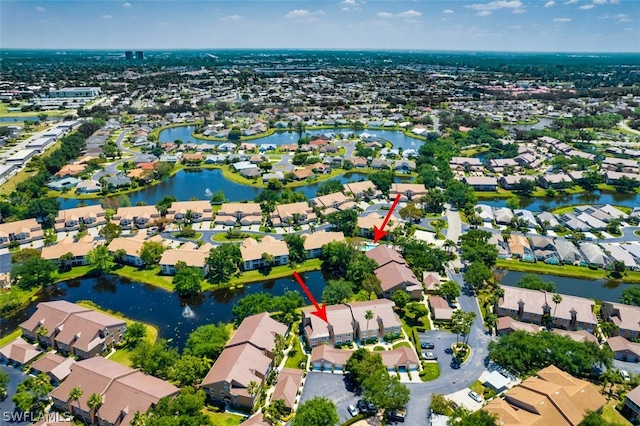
(320, 238)
(258, 330)
(383, 254)
(252, 249)
(289, 381)
(20, 351)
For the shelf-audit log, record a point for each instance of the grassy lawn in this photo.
(571, 271)
(611, 415)
(15, 299)
(223, 419)
(500, 193)
(75, 272)
(401, 344)
(9, 337)
(122, 355)
(294, 361)
(276, 272)
(147, 276)
(430, 371)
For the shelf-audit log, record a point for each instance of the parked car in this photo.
(394, 416)
(353, 411)
(427, 345)
(429, 356)
(625, 375)
(475, 397)
(362, 406)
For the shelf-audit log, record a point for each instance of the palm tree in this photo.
(448, 245)
(139, 419)
(74, 395)
(94, 402)
(119, 255)
(556, 299)
(253, 388)
(368, 316)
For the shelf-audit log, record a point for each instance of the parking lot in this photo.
(337, 387)
(7, 406)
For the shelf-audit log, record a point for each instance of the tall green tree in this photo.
(151, 252)
(534, 282)
(631, 295)
(297, 253)
(450, 290)
(33, 272)
(385, 391)
(99, 258)
(318, 411)
(207, 341)
(134, 334)
(188, 281)
(224, 261)
(337, 291)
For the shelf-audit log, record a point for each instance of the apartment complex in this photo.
(136, 216)
(253, 252)
(71, 219)
(21, 231)
(195, 211)
(242, 213)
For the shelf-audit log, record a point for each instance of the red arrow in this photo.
(378, 233)
(320, 312)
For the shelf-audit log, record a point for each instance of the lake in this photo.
(594, 197)
(17, 119)
(188, 183)
(592, 289)
(159, 307)
(397, 138)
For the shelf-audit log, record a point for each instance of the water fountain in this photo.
(187, 312)
(208, 193)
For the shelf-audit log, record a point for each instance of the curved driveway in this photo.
(112, 169)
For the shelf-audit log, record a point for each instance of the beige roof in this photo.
(508, 323)
(359, 187)
(403, 188)
(20, 351)
(397, 357)
(320, 238)
(256, 420)
(330, 354)
(517, 244)
(54, 364)
(194, 258)
(626, 317)
(85, 328)
(553, 398)
(382, 310)
(17, 227)
(634, 395)
(136, 211)
(329, 199)
(183, 206)
(51, 315)
(68, 245)
(252, 249)
(620, 344)
(400, 356)
(374, 219)
(440, 307)
(578, 336)
(289, 381)
(244, 209)
(238, 365)
(289, 210)
(122, 388)
(260, 331)
(132, 246)
(383, 255)
(431, 280)
(339, 316)
(392, 275)
(87, 211)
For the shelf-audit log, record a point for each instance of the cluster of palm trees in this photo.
(93, 402)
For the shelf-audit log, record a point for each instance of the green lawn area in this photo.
(430, 371)
(147, 276)
(294, 361)
(401, 344)
(9, 337)
(611, 415)
(15, 299)
(581, 272)
(276, 272)
(122, 355)
(223, 419)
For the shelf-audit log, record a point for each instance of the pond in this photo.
(202, 183)
(397, 138)
(159, 307)
(594, 197)
(592, 289)
(17, 119)
(541, 124)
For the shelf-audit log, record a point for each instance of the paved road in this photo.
(111, 169)
(337, 387)
(7, 406)
(454, 224)
(284, 165)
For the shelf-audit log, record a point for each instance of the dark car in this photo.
(362, 406)
(372, 407)
(427, 345)
(395, 417)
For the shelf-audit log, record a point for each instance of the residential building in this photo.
(78, 250)
(508, 325)
(579, 336)
(396, 276)
(197, 210)
(618, 252)
(519, 247)
(408, 191)
(325, 357)
(18, 352)
(366, 224)
(346, 323)
(362, 190)
(503, 215)
(623, 349)
(571, 313)
(71, 219)
(192, 255)
(557, 180)
(631, 407)
(43, 325)
(21, 231)
(260, 331)
(289, 382)
(132, 248)
(552, 398)
(252, 252)
(594, 255)
(292, 214)
(431, 280)
(620, 165)
(626, 317)
(482, 183)
(124, 391)
(53, 365)
(440, 309)
(568, 252)
(243, 213)
(466, 164)
(136, 216)
(331, 202)
(313, 243)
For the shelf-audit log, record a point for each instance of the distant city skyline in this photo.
(468, 25)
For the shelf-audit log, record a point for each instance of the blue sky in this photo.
(512, 25)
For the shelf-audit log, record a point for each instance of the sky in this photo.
(476, 25)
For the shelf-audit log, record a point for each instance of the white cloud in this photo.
(447, 11)
(623, 17)
(231, 18)
(587, 6)
(484, 13)
(599, 1)
(303, 13)
(407, 14)
(562, 20)
(497, 4)
(40, 9)
(350, 2)
(549, 3)
(615, 1)
(571, 2)
(127, 4)
(106, 17)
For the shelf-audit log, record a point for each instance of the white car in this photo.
(353, 411)
(625, 375)
(477, 398)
